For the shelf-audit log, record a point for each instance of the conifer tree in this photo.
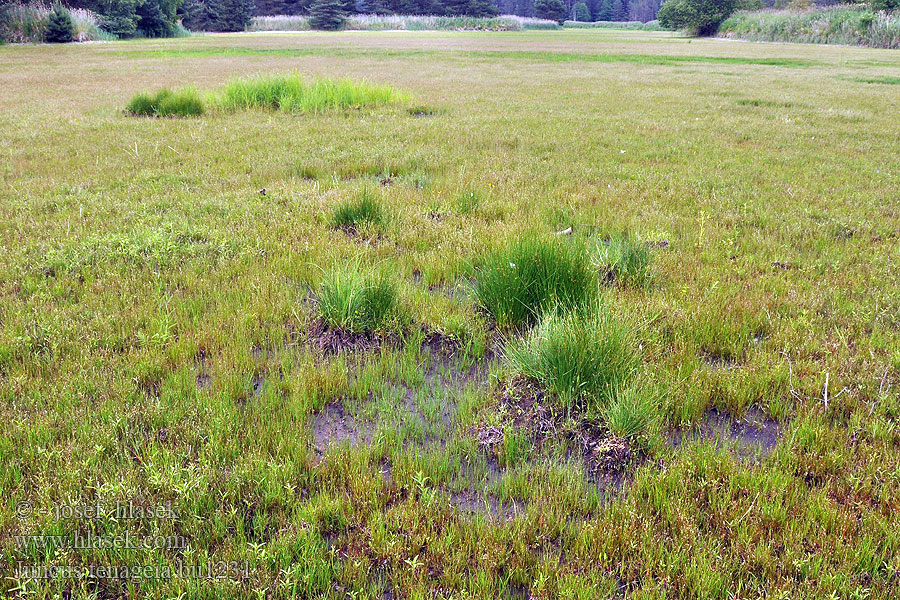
(327, 15)
(60, 26)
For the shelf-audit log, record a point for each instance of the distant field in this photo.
(281, 324)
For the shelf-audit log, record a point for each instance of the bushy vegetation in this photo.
(851, 25)
(530, 276)
(94, 19)
(407, 23)
(28, 23)
(696, 17)
(185, 102)
(359, 212)
(357, 302)
(624, 260)
(583, 357)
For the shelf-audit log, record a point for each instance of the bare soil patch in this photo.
(333, 426)
(753, 436)
(607, 458)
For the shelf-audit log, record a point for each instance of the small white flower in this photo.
(512, 265)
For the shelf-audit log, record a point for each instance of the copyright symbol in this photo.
(24, 509)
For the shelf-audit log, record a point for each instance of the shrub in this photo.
(292, 93)
(696, 17)
(365, 210)
(624, 260)
(165, 103)
(23, 23)
(356, 302)
(553, 10)
(327, 15)
(531, 276)
(60, 26)
(884, 5)
(582, 357)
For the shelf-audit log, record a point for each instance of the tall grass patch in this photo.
(185, 102)
(583, 357)
(27, 23)
(359, 212)
(632, 410)
(358, 302)
(624, 260)
(294, 94)
(847, 25)
(530, 276)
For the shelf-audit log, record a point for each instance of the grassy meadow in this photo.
(577, 314)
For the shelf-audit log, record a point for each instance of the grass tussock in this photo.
(624, 260)
(359, 212)
(185, 102)
(530, 276)
(357, 302)
(294, 94)
(274, 92)
(846, 25)
(632, 410)
(583, 357)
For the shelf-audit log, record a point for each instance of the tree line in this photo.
(161, 18)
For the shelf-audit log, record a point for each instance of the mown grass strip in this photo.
(643, 59)
(886, 80)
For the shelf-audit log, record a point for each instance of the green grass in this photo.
(361, 211)
(292, 93)
(582, 357)
(624, 260)
(161, 283)
(185, 102)
(632, 412)
(465, 55)
(883, 80)
(517, 284)
(357, 302)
